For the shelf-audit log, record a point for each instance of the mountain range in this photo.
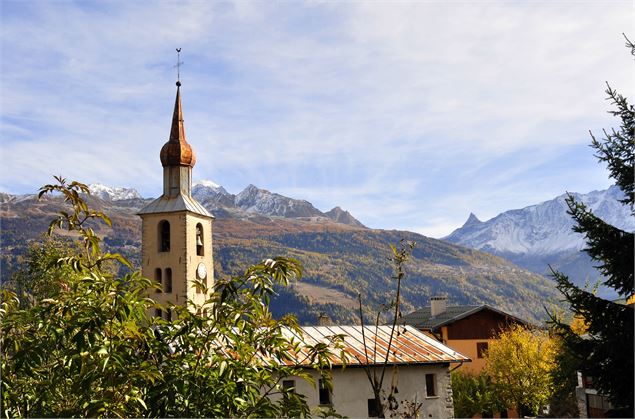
(539, 236)
(342, 259)
(252, 201)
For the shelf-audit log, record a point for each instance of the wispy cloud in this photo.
(410, 115)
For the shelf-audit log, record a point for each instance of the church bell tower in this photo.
(176, 242)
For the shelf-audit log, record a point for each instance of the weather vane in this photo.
(178, 66)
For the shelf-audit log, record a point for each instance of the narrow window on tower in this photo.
(168, 280)
(199, 240)
(164, 236)
(157, 277)
(174, 180)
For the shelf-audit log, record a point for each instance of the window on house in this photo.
(325, 393)
(199, 240)
(164, 236)
(373, 408)
(168, 280)
(157, 312)
(431, 385)
(168, 315)
(288, 385)
(157, 277)
(481, 349)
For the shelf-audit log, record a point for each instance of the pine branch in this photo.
(611, 247)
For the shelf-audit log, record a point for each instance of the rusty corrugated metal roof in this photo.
(409, 345)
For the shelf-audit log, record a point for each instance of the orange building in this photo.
(468, 329)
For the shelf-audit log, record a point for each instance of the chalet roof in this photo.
(409, 346)
(181, 202)
(423, 319)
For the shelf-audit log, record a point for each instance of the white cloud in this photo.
(400, 112)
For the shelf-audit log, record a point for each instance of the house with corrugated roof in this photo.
(417, 371)
(468, 329)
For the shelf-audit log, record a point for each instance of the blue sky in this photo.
(410, 115)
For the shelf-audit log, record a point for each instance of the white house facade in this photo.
(418, 371)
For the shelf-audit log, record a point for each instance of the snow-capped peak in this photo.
(207, 183)
(543, 228)
(202, 188)
(110, 193)
(472, 219)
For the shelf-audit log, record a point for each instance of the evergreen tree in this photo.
(605, 352)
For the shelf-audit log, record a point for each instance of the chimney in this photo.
(324, 320)
(437, 305)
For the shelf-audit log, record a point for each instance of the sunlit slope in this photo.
(340, 261)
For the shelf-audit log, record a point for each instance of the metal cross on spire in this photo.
(178, 66)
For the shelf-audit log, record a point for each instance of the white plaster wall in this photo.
(351, 390)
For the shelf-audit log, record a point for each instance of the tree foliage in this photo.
(520, 363)
(90, 348)
(605, 352)
(563, 402)
(474, 394)
(39, 275)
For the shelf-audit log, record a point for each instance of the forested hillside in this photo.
(339, 260)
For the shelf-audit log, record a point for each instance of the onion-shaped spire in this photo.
(177, 152)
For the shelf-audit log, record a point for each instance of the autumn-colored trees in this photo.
(518, 374)
(520, 363)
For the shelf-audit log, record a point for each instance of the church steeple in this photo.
(177, 152)
(177, 156)
(176, 229)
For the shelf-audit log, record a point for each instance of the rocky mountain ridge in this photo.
(540, 235)
(255, 201)
(542, 228)
(252, 201)
(113, 193)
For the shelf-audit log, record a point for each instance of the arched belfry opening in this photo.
(200, 247)
(164, 236)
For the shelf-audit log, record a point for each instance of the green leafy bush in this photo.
(90, 347)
